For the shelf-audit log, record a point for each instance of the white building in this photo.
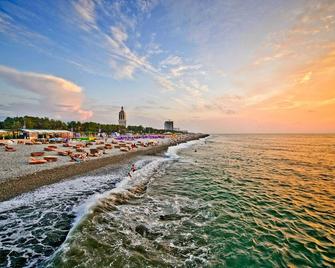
(122, 118)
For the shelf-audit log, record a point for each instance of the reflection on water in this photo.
(238, 201)
(230, 200)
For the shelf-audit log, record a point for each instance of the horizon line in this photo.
(273, 133)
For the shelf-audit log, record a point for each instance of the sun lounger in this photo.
(37, 154)
(9, 149)
(34, 161)
(48, 149)
(64, 153)
(50, 158)
(108, 146)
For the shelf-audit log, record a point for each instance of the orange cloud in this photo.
(307, 102)
(288, 99)
(55, 94)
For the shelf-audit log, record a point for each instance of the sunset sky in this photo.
(211, 66)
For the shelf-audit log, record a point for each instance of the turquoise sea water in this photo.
(226, 201)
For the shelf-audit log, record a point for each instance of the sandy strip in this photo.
(13, 186)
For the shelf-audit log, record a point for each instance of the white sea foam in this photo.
(59, 190)
(173, 150)
(68, 201)
(142, 175)
(33, 216)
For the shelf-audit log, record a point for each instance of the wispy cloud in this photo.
(166, 84)
(21, 33)
(122, 60)
(171, 60)
(216, 60)
(125, 61)
(86, 8)
(55, 94)
(309, 32)
(175, 66)
(109, 33)
(182, 69)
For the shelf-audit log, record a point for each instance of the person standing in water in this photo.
(133, 168)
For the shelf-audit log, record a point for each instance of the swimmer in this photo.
(133, 168)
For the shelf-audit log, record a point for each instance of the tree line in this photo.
(30, 122)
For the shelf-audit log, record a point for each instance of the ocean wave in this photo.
(222, 201)
(172, 151)
(197, 210)
(128, 188)
(34, 224)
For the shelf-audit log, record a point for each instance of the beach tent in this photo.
(4, 133)
(46, 133)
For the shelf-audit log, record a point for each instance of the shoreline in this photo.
(12, 187)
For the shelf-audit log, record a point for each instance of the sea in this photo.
(223, 201)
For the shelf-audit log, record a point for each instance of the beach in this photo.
(17, 176)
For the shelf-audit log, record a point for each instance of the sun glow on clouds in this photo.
(218, 67)
(55, 94)
(306, 102)
(306, 77)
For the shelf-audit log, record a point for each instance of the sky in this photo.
(239, 66)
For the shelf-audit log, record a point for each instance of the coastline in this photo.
(11, 187)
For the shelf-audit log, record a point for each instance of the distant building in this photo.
(168, 125)
(122, 118)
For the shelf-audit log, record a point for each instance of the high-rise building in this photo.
(122, 118)
(168, 125)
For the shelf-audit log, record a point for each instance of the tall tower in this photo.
(122, 118)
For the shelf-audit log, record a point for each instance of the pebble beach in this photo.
(15, 164)
(18, 176)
